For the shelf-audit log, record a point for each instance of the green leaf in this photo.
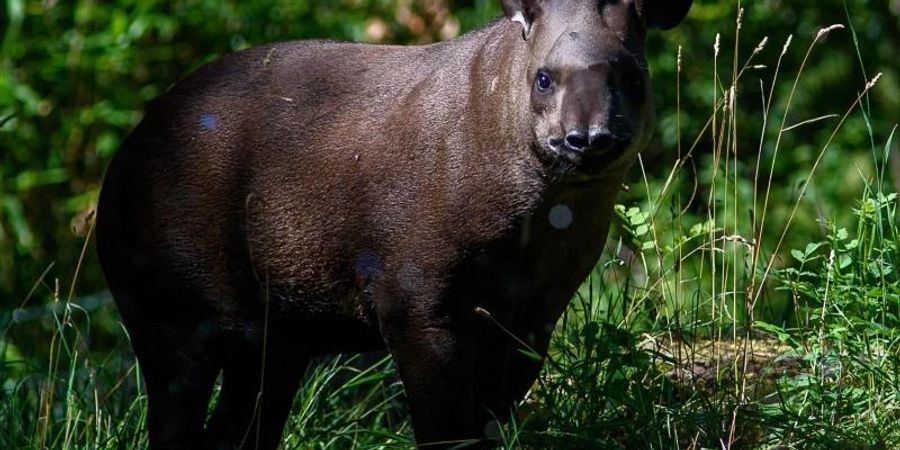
(812, 247)
(842, 234)
(844, 261)
(641, 230)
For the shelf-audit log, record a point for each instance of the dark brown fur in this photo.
(313, 197)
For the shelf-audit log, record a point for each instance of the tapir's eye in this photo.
(543, 82)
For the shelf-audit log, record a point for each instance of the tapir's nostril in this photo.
(577, 140)
(555, 143)
(601, 140)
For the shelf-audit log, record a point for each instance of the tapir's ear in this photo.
(663, 14)
(522, 12)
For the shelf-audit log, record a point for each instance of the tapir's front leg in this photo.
(506, 368)
(435, 357)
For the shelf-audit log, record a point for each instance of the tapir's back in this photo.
(272, 165)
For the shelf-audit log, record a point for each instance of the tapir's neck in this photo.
(503, 71)
(498, 86)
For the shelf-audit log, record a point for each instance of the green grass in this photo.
(711, 322)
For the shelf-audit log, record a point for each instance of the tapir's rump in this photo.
(304, 198)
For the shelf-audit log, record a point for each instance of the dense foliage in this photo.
(762, 217)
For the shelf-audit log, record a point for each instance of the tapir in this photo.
(443, 202)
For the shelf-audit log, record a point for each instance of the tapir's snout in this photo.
(593, 117)
(596, 140)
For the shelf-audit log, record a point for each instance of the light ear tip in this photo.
(519, 18)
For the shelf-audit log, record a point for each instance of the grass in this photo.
(700, 328)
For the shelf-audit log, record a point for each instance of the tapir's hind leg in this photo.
(178, 397)
(179, 368)
(256, 398)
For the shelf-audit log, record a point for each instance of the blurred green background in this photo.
(75, 76)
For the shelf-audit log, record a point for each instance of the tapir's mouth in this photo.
(616, 145)
(614, 150)
(590, 160)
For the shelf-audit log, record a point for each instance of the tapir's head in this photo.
(589, 91)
